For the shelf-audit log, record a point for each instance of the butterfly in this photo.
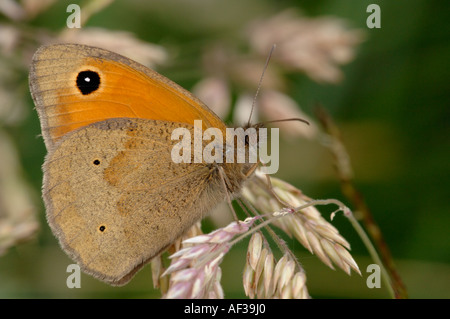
(114, 197)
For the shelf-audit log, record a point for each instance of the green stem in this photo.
(344, 171)
(372, 251)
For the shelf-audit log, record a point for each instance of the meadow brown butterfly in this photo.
(114, 197)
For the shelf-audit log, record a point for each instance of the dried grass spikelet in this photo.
(307, 226)
(315, 46)
(157, 265)
(194, 271)
(263, 278)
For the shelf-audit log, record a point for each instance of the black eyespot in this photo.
(102, 228)
(88, 81)
(96, 162)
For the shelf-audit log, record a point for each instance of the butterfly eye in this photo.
(88, 81)
(246, 139)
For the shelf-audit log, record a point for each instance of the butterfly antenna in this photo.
(260, 83)
(286, 120)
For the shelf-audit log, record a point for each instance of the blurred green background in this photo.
(392, 107)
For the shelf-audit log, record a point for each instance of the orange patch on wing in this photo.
(124, 92)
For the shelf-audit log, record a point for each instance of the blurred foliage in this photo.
(392, 108)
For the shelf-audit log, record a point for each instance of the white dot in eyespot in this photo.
(87, 79)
